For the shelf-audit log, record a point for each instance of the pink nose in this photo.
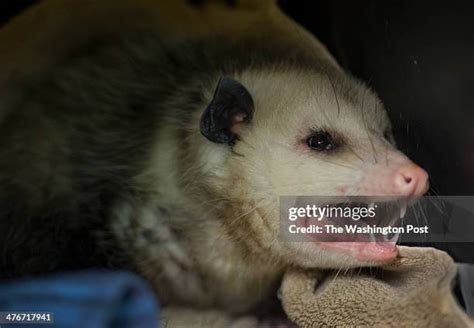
(411, 181)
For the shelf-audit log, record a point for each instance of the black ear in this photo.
(231, 106)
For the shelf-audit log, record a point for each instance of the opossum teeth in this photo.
(372, 237)
(395, 237)
(403, 210)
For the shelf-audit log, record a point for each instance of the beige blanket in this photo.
(413, 291)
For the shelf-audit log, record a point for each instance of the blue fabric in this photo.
(86, 299)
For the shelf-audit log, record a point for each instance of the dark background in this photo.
(419, 57)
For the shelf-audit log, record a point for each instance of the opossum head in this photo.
(297, 133)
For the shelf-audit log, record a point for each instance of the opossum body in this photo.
(167, 155)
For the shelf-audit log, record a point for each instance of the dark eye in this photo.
(321, 141)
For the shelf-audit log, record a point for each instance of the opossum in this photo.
(164, 150)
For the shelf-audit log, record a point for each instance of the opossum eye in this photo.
(321, 141)
(230, 108)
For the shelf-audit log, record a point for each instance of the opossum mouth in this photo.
(372, 252)
(368, 239)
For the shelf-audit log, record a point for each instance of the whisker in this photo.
(335, 94)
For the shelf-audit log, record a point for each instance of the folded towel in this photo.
(413, 291)
(92, 299)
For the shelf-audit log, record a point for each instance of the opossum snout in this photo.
(399, 176)
(410, 181)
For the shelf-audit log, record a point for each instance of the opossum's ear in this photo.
(230, 108)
